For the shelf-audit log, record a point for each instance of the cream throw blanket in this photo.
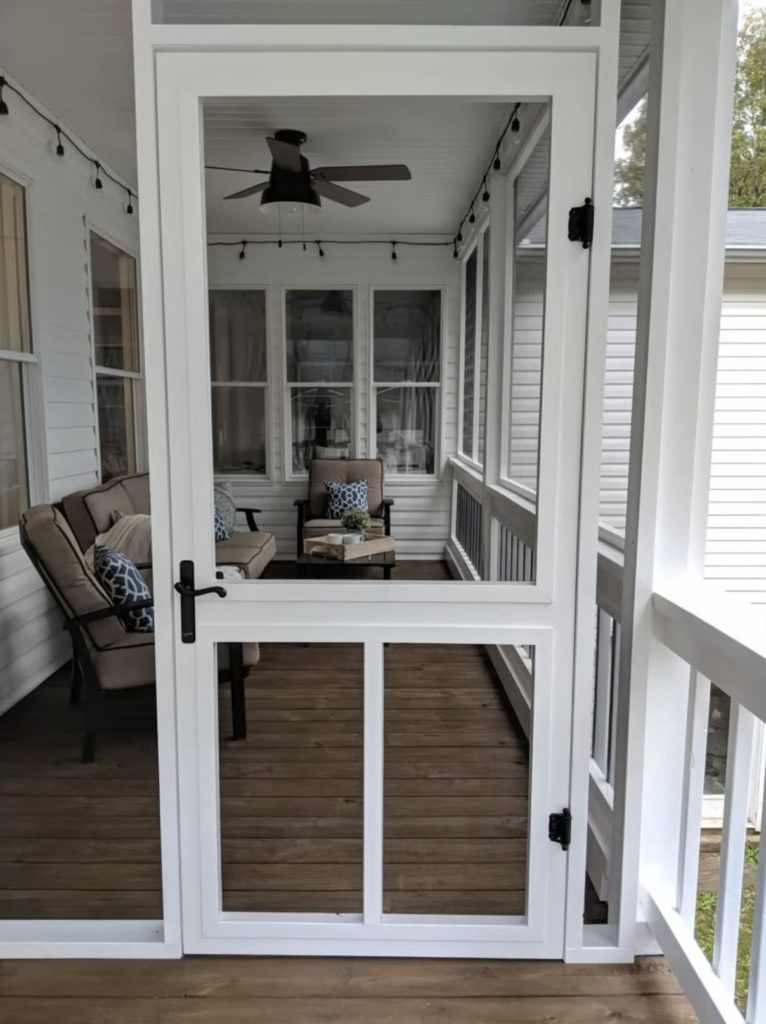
(131, 536)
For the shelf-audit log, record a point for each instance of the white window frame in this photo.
(372, 402)
(352, 385)
(266, 386)
(33, 407)
(136, 376)
(475, 244)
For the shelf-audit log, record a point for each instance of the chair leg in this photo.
(237, 672)
(76, 680)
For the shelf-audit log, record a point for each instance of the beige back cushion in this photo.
(92, 512)
(347, 471)
(48, 534)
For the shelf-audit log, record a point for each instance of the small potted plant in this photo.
(356, 521)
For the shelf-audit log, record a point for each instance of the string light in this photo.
(472, 218)
(242, 250)
(394, 257)
(455, 252)
(61, 135)
(496, 164)
(280, 243)
(485, 193)
(321, 250)
(512, 125)
(515, 129)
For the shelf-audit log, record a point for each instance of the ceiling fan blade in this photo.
(344, 196)
(371, 172)
(238, 170)
(249, 191)
(285, 154)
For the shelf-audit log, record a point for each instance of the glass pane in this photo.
(239, 430)
(469, 357)
(321, 422)
(14, 294)
(528, 315)
(320, 336)
(291, 792)
(407, 335)
(457, 773)
(238, 335)
(406, 428)
(484, 346)
(116, 426)
(115, 312)
(13, 470)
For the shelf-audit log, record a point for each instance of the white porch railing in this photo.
(714, 647)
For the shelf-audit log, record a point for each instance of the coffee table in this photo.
(324, 565)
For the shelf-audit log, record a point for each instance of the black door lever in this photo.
(185, 587)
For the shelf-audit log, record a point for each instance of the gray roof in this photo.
(745, 229)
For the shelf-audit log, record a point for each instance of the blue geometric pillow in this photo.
(342, 497)
(124, 584)
(219, 526)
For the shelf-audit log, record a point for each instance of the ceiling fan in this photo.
(292, 181)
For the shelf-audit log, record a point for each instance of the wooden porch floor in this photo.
(304, 991)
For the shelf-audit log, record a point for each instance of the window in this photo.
(239, 378)
(469, 352)
(406, 378)
(119, 382)
(15, 351)
(320, 375)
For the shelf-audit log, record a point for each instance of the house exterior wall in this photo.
(62, 206)
(421, 512)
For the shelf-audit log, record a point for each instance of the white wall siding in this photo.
(61, 208)
(736, 538)
(421, 511)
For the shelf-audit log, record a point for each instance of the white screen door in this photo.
(343, 824)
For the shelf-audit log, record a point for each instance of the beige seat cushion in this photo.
(347, 471)
(126, 664)
(250, 552)
(319, 527)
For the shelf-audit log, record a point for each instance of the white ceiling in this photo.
(75, 56)
(445, 143)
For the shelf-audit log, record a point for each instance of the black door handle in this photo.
(185, 587)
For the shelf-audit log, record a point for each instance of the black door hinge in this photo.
(581, 224)
(560, 828)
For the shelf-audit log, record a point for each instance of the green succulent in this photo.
(356, 519)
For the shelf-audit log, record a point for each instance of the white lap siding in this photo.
(61, 207)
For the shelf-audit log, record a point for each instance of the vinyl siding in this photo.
(61, 207)
(422, 505)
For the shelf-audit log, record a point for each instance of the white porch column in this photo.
(689, 131)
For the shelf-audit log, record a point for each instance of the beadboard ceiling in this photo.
(445, 143)
(75, 56)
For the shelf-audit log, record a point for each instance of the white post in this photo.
(680, 282)
(374, 740)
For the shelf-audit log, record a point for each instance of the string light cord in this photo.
(243, 243)
(61, 135)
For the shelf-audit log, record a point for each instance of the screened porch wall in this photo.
(422, 504)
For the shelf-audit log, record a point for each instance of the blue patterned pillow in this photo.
(342, 497)
(219, 526)
(124, 584)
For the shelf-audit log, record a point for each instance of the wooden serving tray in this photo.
(348, 552)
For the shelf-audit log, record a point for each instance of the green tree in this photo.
(747, 182)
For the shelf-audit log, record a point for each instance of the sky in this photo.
(745, 7)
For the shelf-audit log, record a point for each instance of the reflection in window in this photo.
(115, 340)
(407, 354)
(14, 338)
(321, 424)
(239, 376)
(320, 374)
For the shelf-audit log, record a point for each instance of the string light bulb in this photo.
(394, 257)
(59, 143)
(459, 236)
(321, 250)
(455, 253)
(496, 163)
(97, 182)
(485, 193)
(516, 128)
(472, 218)
(129, 204)
(242, 250)
(279, 244)
(3, 105)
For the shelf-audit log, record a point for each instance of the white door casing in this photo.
(373, 614)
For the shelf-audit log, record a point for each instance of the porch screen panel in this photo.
(239, 380)
(469, 353)
(407, 375)
(319, 361)
(528, 318)
(483, 343)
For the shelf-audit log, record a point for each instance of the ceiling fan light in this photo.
(291, 196)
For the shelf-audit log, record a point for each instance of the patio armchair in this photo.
(106, 656)
(312, 510)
